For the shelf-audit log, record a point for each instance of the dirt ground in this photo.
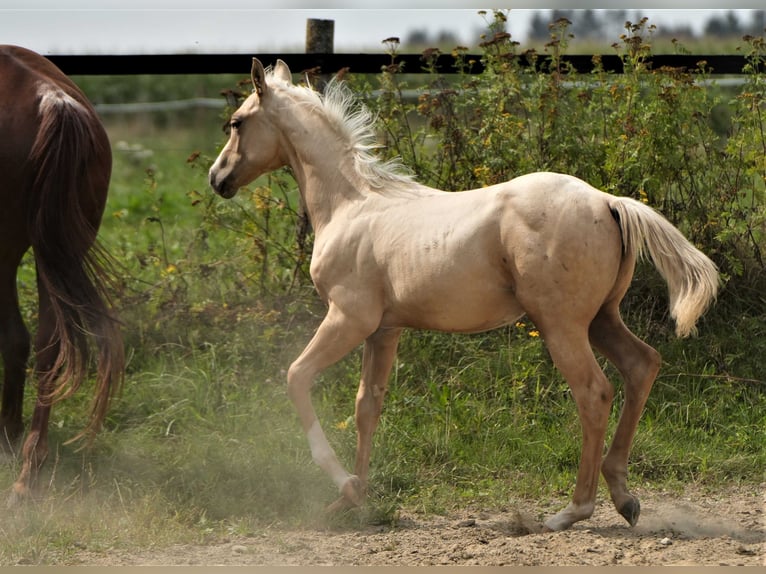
(724, 529)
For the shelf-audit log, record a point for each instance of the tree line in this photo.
(600, 23)
(595, 24)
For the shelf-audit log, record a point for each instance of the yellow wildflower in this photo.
(343, 425)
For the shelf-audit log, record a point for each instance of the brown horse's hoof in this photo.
(630, 510)
(19, 494)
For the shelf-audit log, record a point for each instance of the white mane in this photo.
(355, 123)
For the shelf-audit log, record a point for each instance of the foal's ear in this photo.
(258, 76)
(282, 72)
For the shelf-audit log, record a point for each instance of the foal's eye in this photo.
(232, 124)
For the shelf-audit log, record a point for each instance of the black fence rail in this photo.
(330, 63)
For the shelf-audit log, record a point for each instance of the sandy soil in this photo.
(727, 528)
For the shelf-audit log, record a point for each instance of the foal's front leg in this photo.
(378, 357)
(379, 354)
(334, 339)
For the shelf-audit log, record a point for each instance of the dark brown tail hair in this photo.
(65, 209)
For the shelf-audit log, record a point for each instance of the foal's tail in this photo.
(72, 162)
(691, 276)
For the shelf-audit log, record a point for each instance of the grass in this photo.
(203, 442)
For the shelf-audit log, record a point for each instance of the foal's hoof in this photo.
(352, 495)
(353, 490)
(339, 505)
(630, 510)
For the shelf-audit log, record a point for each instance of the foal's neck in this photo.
(326, 176)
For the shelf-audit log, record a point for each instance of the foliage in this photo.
(647, 133)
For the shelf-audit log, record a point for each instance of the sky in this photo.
(234, 26)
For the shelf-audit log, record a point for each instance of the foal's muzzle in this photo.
(220, 183)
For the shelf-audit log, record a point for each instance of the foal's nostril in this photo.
(221, 183)
(211, 178)
(216, 182)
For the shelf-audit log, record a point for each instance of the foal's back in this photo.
(474, 260)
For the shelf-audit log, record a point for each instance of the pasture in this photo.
(203, 445)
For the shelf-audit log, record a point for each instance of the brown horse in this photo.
(55, 165)
(390, 253)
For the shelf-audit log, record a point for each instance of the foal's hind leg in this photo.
(593, 393)
(334, 339)
(638, 364)
(15, 348)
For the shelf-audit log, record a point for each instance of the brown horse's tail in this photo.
(691, 276)
(71, 159)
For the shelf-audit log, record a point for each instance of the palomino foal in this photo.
(390, 253)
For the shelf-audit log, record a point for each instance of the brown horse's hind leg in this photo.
(638, 364)
(593, 393)
(15, 348)
(35, 449)
(379, 353)
(33, 453)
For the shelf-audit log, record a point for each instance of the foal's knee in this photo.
(298, 381)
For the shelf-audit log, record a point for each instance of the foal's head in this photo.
(254, 145)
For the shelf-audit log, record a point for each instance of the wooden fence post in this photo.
(320, 38)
